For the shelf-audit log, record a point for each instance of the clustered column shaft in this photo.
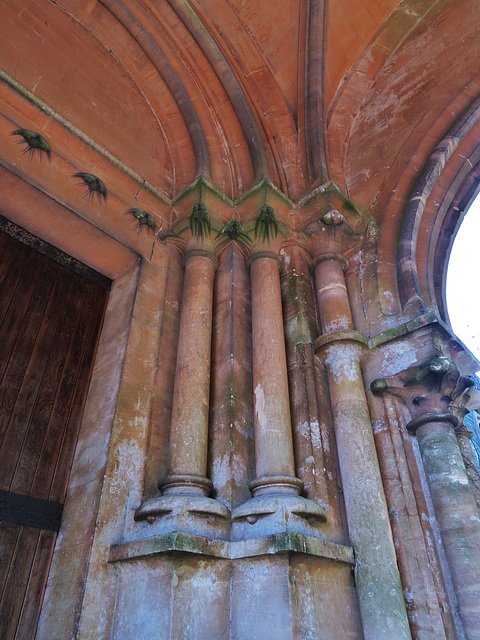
(455, 509)
(187, 459)
(435, 394)
(380, 593)
(186, 487)
(276, 505)
(274, 460)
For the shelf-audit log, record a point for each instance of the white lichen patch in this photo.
(228, 468)
(332, 287)
(128, 467)
(304, 429)
(260, 417)
(400, 356)
(343, 363)
(316, 435)
(335, 325)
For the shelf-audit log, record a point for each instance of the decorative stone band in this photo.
(264, 254)
(272, 544)
(185, 483)
(417, 422)
(278, 484)
(328, 256)
(200, 253)
(342, 335)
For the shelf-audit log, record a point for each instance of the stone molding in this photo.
(342, 335)
(264, 254)
(201, 253)
(415, 423)
(271, 544)
(277, 514)
(328, 256)
(186, 510)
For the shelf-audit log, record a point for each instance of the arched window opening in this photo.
(463, 300)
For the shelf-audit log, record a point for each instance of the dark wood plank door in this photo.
(50, 318)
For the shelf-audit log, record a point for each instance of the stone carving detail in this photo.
(434, 390)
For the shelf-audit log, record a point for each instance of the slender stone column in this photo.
(332, 295)
(275, 489)
(455, 508)
(464, 435)
(231, 450)
(433, 392)
(187, 458)
(186, 486)
(428, 606)
(310, 419)
(274, 462)
(382, 605)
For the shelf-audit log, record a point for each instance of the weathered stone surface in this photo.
(357, 122)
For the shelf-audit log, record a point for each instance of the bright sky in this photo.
(463, 276)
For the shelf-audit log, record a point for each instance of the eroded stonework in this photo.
(272, 443)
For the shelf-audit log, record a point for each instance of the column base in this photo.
(254, 547)
(193, 514)
(276, 485)
(277, 513)
(185, 507)
(185, 484)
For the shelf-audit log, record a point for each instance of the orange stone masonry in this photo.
(263, 451)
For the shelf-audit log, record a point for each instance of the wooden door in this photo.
(50, 319)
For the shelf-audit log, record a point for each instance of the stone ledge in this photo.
(404, 328)
(188, 543)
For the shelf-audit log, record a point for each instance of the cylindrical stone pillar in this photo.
(455, 508)
(274, 459)
(464, 436)
(382, 605)
(276, 506)
(332, 295)
(187, 457)
(184, 502)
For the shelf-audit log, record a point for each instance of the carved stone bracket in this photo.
(434, 390)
